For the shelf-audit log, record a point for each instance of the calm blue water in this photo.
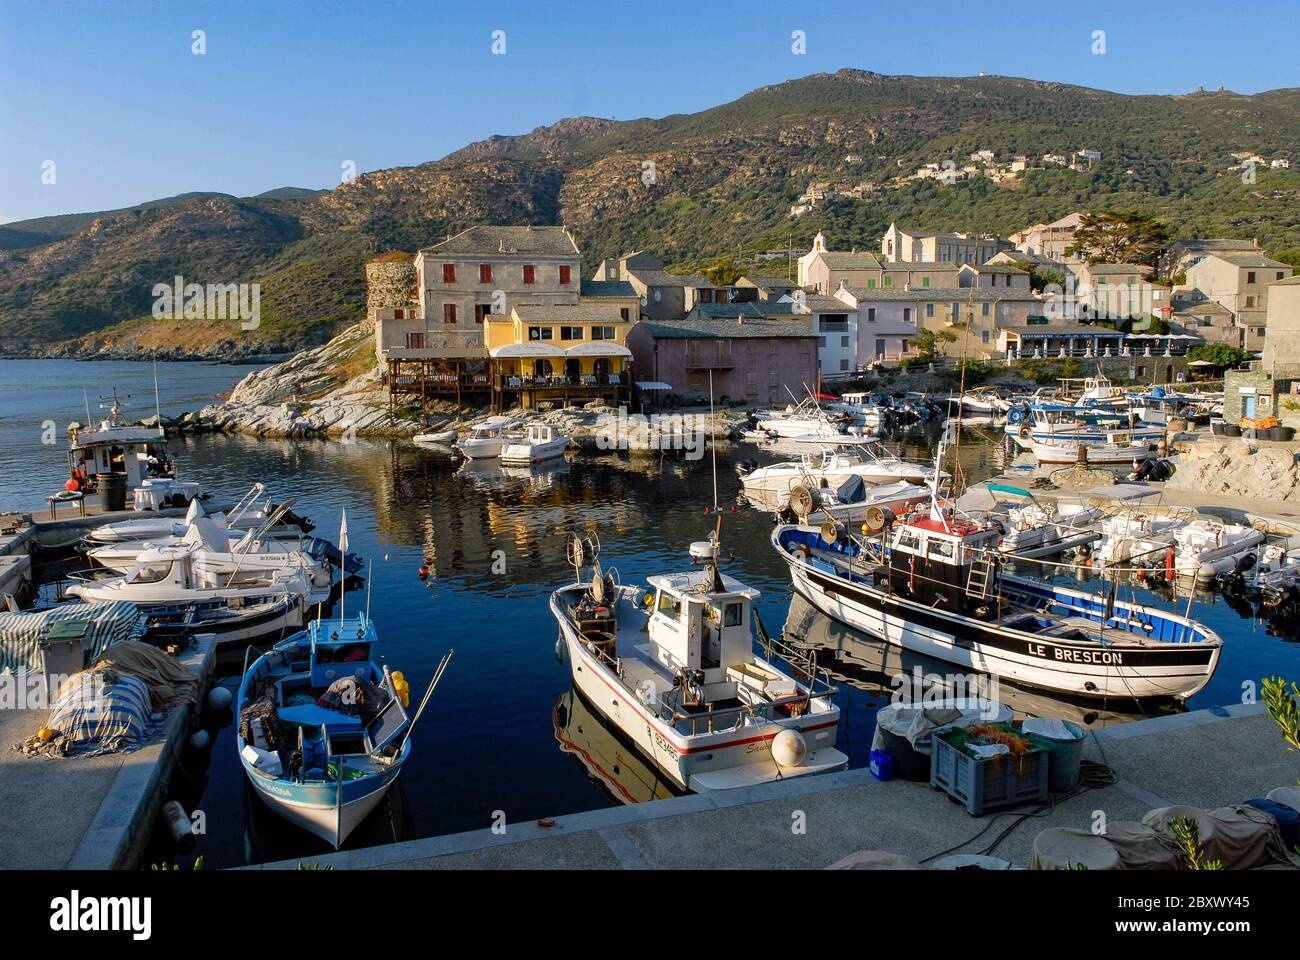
(488, 740)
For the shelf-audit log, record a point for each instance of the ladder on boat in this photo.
(980, 578)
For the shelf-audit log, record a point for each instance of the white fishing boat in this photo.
(540, 441)
(674, 670)
(174, 586)
(485, 439)
(1117, 447)
(853, 501)
(249, 513)
(323, 728)
(1207, 547)
(932, 584)
(113, 447)
(984, 401)
(859, 406)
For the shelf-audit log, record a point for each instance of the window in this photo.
(821, 341)
(540, 333)
(602, 333)
(929, 309)
(149, 572)
(984, 309)
(530, 273)
(844, 341)
(1280, 275)
(1250, 276)
(889, 281)
(984, 335)
(624, 314)
(415, 341)
(449, 273)
(565, 274)
(449, 313)
(844, 365)
(485, 273)
(732, 614)
(1250, 302)
(669, 605)
(925, 281)
(871, 283)
(570, 333)
(482, 311)
(706, 296)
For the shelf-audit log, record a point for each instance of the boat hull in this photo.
(315, 807)
(705, 762)
(1119, 670)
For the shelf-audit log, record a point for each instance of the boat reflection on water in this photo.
(891, 673)
(610, 762)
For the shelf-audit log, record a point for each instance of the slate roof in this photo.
(1251, 260)
(939, 294)
(730, 311)
(606, 288)
(728, 329)
(490, 240)
(568, 313)
(662, 278)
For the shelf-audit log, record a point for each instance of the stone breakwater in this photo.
(1245, 468)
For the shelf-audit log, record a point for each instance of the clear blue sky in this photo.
(287, 91)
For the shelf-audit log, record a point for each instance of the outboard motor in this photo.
(296, 520)
(745, 467)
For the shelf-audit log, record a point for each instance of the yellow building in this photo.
(559, 352)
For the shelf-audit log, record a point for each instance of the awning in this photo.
(524, 351)
(653, 385)
(599, 348)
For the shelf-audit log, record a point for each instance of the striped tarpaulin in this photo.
(21, 633)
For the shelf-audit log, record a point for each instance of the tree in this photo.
(926, 344)
(1115, 237)
(723, 271)
(1220, 354)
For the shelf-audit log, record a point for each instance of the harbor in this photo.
(465, 543)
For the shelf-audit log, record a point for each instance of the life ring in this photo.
(1015, 415)
(1025, 432)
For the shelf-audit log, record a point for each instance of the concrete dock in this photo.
(88, 813)
(1205, 758)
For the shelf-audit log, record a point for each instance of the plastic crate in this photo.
(984, 784)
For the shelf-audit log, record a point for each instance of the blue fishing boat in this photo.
(323, 728)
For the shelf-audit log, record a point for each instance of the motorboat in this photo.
(1136, 538)
(439, 437)
(538, 442)
(232, 552)
(830, 464)
(485, 439)
(932, 583)
(672, 667)
(986, 401)
(805, 419)
(249, 513)
(852, 502)
(178, 590)
(1110, 449)
(1207, 547)
(860, 407)
(1043, 528)
(323, 728)
(115, 448)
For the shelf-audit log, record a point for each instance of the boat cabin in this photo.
(942, 560)
(139, 452)
(701, 630)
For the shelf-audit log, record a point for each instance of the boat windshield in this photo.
(149, 571)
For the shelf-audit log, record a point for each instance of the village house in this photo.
(1240, 282)
(1196, 315)
(756, 360)
(1182, 255)
(615, 293)
(929, 247)
(753, 288)
(824, 270)
(1049, 240)
(559, 352)
(661, 295)
(1281, 353)
(1116, 292)
(836, 327)
(993, 276)
(885, 324)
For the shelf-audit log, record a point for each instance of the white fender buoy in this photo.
(789, 748)
(199, 740)
(178, 824)
(219, 698)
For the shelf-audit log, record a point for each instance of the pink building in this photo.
(752, 360)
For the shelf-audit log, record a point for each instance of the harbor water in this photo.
(504, 740)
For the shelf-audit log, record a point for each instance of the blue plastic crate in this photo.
(985, 784)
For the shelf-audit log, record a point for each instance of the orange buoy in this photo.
(1169, 564)
(73, 484)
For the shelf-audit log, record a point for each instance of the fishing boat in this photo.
(540, 441)
(674, 669)
(323, 727)
(830, 464)
(178, 591)
(932, 583)
(1118, 447)
(852, 502)
(485, 439)
(861, 407)
(114, 447)
(249, 513)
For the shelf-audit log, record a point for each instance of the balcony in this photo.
(709, 359)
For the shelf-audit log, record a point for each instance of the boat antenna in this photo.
(343, 552)
(86, 399)
(370, 576)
